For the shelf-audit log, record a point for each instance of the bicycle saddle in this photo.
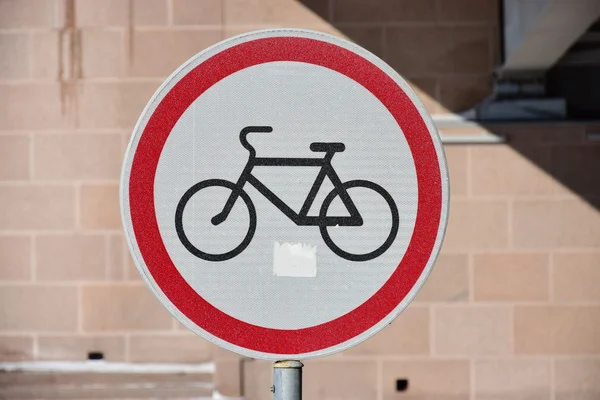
(331, 147)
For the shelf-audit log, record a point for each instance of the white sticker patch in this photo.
(295, 259)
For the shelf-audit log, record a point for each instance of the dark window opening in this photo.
(576, 76)
(95, 355)
(401, 385)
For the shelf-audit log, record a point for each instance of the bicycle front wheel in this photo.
(385, 217)
(198, 220)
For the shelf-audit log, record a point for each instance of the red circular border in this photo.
(160, 265)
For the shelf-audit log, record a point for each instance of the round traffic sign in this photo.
(285, 194)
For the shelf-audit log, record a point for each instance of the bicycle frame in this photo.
(299, 218)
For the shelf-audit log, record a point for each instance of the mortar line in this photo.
(33, 257)
(169, 13)
(551, 277)
(379, 379)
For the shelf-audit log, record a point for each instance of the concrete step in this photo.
(36, 385)
(102, 380)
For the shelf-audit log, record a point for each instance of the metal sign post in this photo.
(287, 380)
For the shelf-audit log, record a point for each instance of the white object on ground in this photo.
(105, 367)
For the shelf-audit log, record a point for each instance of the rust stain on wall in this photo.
(69, 59)
(130, 33)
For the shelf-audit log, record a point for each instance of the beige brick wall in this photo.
(511, 311)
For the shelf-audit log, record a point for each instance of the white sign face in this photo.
(285, 194)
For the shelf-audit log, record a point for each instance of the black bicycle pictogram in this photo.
(323, 221)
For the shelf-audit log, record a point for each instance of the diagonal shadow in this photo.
(443, 52)
(569, 152)
(447, 53)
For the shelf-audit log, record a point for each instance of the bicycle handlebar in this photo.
(252, 129)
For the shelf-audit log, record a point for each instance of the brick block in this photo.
(70, 257)
(15, 258)
(350, 380)
(449, 280)
(555, 224)
(191, 12)
(270, 12)
(524, 136)
(16, 348)
(77, 156)
(369, 37)
(175, 348)
(511, 277)
(122, 308)
(262, 377)
(33, 106)
(472, 330)
(15, 62)
(419, 51)
(102, 53)
(577, 379)
(131, 271)
(576, 276)
(28, 13)
(460, 93)
(38, 207)
(557, 329)
(113, 105)
(572, 166)
(45, 61)
(383, 10)
(14, 157)
(100, 207)
(102, 12)
(456, 157)
(319, 7)
(76, 348)
(469, 11)
(427, 379)
(38, 308)
(427, 89)
(151, 46)
(228, 377)
(477, 225)
(116, 258)
(408, 334)
(501, 170)
(150, 12)
(512, 379)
